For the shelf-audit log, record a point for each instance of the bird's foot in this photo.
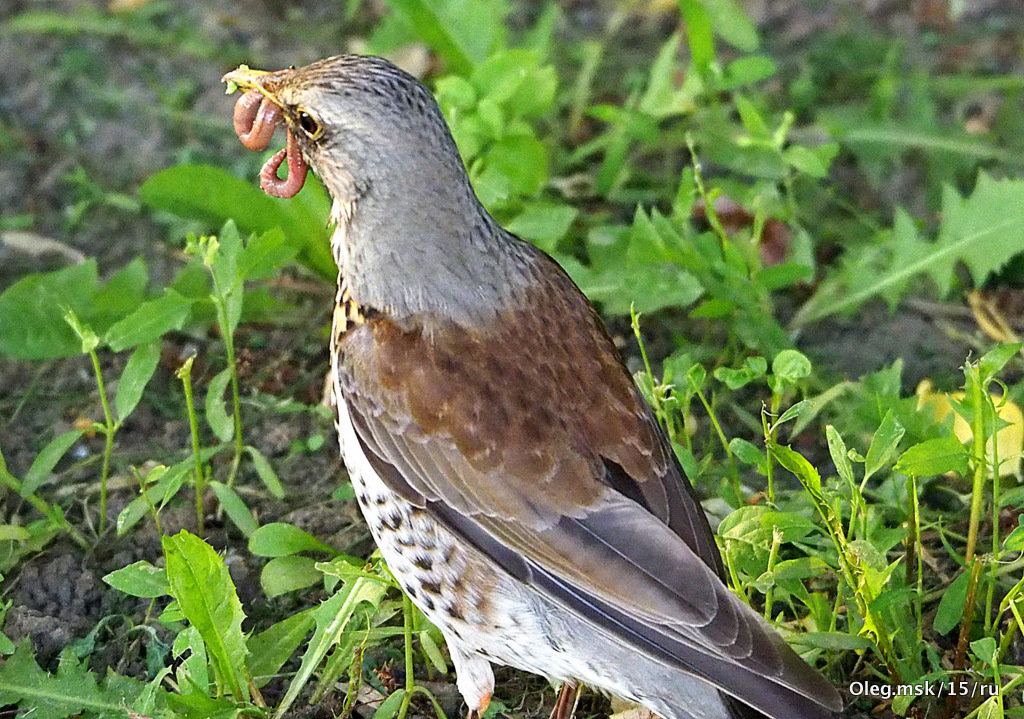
(565, 703)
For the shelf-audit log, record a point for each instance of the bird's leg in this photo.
(565, 703)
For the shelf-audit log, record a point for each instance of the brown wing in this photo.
(529, 439)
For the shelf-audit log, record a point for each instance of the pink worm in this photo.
(255, 119)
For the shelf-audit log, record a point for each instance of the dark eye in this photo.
(309, 124)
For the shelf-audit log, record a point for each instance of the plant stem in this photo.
(769, 437)
(229, 349)
(109, 430)
(185, 374)
(410, 684)
(49, 511)
(773, 555)
(978, 489)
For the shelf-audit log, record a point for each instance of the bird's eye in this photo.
(309, 124)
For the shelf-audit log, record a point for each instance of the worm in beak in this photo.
(255, 119)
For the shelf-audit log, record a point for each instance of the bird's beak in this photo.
(245, 78)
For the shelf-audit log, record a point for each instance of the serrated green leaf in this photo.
(332, 617)
(983, 231)
(216, 408)
(71, 692)
(150, 321)
(137, 373)
(279, 539)
(202, 586)
(140, 579)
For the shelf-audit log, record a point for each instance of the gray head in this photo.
(412, 235)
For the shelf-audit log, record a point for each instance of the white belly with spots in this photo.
(486, 615)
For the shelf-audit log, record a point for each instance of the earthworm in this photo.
(297, 168)
(255, 119)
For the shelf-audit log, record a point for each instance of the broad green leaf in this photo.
(543, 224)
(216, 408)
(837, 450)
(201, 584)
(211, 195)
(883, 444)
(150, 321)
(265, 472)
(935, 456)
(753, 368)
(271, 648)
(698, 33)
(794, 411)
(46, 460)
(278, 539)
(791, 366)
(1014, 541)
(389, 707)
(832, 641)
(32, 322)
(436, 33)
(140, 579)
(798, 465)
(265, 254)
(951, 606)
(137, 373)
(747, 453)
(732, 24)
(993, 361)
(433, 652)
(286, 574)
(793, 527)
(234, 507)
(984, 649)
(122, 293)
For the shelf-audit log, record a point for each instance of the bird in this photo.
(512, 475)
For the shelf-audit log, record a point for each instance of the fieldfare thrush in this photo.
(515, 480)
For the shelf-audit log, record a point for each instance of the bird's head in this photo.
(363, 125)
(408, 221)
